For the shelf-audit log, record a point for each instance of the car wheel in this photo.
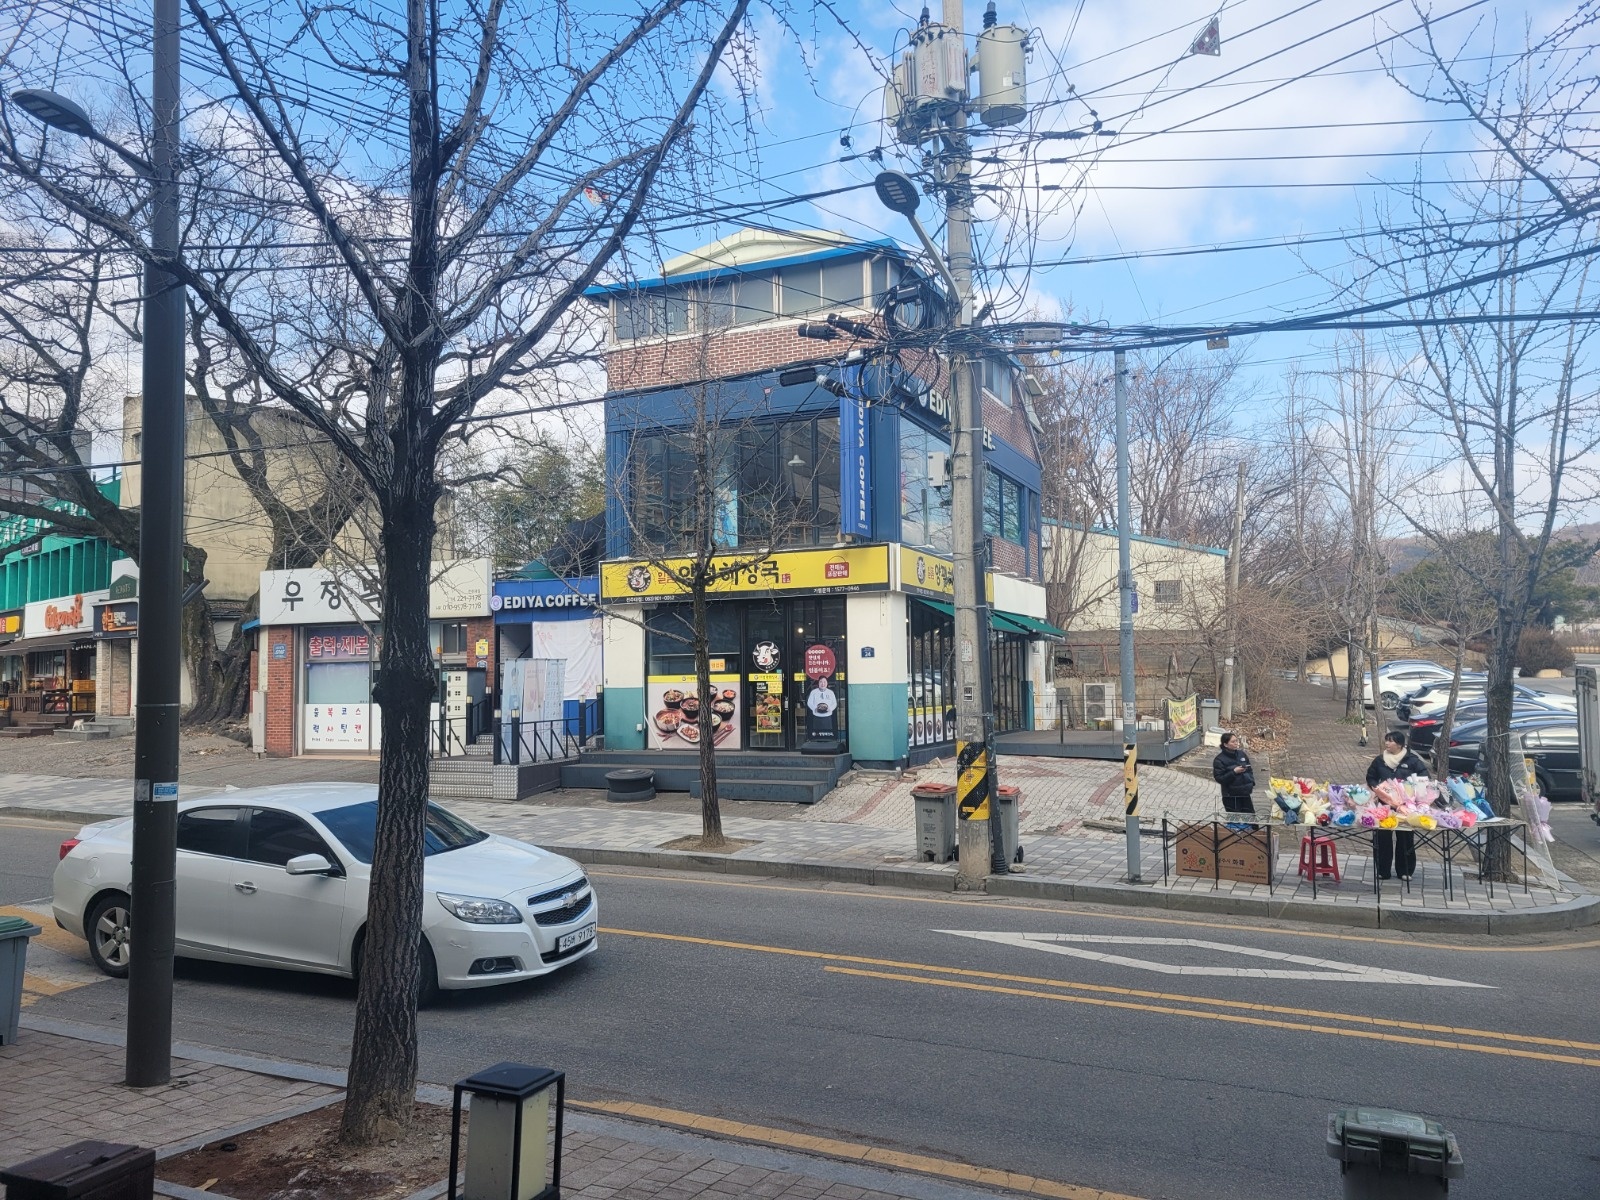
(110, 927)
(1390, 699)
(428, 970)
(1543, 782)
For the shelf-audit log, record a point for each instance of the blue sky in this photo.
(1295, 130)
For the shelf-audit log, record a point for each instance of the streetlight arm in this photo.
(938, 260)
(140, 165)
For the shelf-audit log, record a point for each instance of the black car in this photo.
(1556, 765)
(1466, 741)
(1424, 730)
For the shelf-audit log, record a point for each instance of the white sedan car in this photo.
(278, 877)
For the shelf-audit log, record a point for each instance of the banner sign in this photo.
(116, 620)
(817, 572)
(1183, 718)
(855, 468)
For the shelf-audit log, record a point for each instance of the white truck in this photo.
(1587, 680)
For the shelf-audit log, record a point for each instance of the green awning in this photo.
(1034, 626)
(1007, 622)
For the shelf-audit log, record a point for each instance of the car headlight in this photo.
(480, 910)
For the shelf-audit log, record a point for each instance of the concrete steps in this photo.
(741, 774)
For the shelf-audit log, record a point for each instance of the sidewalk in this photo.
(64, 1084)
(1071, 814)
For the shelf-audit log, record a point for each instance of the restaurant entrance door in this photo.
(794, 680)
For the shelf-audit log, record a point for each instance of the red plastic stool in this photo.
(1319, 857)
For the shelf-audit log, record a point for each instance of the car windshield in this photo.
(356, 824)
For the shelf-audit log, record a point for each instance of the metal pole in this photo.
(1233, 599)
(155, 746)
(981, 837)
(1130, 718)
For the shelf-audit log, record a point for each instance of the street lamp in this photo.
(155, 746)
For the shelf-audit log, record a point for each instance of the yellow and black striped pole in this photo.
(972, 781)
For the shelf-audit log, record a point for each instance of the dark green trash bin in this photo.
(14, 935)
(1389, 1155)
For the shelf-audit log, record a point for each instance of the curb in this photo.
(1578, 913)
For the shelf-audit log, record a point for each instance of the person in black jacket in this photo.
(1232, 770)
(1396, 762)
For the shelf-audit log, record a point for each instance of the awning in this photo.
(57, 641)
(1034, 626)
(1007, 622)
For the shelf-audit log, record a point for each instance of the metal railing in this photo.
(452, 735)
(520, 741)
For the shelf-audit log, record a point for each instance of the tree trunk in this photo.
(383, 1052)
(1441, 745)
(711, 835)
(1498, 780)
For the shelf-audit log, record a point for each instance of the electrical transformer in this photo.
(1002, 75)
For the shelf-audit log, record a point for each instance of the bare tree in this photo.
(1499, 359)
(502, 163)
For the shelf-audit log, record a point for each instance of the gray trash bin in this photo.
(14, 935)
(1010, 805)
(936, 821)
(1389, 1155)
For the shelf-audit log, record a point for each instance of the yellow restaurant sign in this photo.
(924, 574)
(817, 572)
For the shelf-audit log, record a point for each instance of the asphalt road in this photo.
(28, 854)
(856, 1014)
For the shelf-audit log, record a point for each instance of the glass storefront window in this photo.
(930, 696)
(776, 484)
(10, 674)
(338, 683)
(924, 509)
(46, 671)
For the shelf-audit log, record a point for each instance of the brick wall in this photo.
(481, 627)
(690, 359)
(281, 708)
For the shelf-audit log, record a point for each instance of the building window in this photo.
(650, 314)
(775, 483)
(741, 300)
(1169, 593)
(814, 287)
(996, 376)
(1004, 514)
(924, 509)
(453, 637)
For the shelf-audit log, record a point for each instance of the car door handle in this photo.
(246, 887)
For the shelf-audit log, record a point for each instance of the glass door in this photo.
(818, 653)
(766, 666)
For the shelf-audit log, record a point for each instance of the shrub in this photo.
(1538, 650)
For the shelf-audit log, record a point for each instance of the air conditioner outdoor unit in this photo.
(1099, 701)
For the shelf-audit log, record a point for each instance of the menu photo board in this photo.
(673, 707)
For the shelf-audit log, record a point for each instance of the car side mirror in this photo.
(310, 864)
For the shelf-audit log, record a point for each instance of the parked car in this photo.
(278, 877)
(1424, 730)
(1437, 692)
(1400, 676)
(1465, 742)
(1435, 699)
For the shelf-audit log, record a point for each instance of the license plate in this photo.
(576, 938)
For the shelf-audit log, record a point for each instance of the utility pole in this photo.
(1233, 598)
(155, 746)
(981, 840)
(1130, 712)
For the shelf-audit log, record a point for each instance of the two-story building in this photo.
(837, 627)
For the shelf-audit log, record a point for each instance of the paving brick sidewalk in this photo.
(62, 1088)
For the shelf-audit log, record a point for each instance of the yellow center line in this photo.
(1232, 1018)
(854, 1151)
(889, 894)
(1107, 989)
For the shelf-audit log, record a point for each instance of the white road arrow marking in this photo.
(1324, 969)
